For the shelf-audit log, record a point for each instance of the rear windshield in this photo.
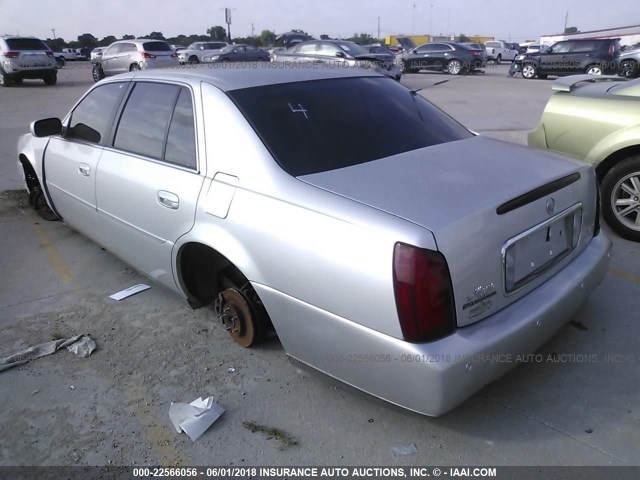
(26, 44)
(322, 125)
(156, 47)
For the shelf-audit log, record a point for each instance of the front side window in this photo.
(328, 49)
(113, 49)
(91, 120)
(561, 47)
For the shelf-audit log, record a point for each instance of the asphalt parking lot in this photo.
(580, 405)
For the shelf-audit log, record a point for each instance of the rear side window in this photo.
(156, 47)
(26, 44)
(91, 120)
(580, 47)
(157, 122)
(322, 125)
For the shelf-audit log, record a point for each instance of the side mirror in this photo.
(341, 55)
(46, 127)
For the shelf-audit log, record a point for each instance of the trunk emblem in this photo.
(551, 206)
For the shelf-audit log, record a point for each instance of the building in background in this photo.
(627, 35)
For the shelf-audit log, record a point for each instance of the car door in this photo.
(110, 59)
(71, 159)
(554, 60)
(580, 55)
(148, 181)
(421, 57)
(125, 57)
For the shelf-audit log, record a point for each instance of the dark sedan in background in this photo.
(453, 58)
(238, 53)
(340, 53)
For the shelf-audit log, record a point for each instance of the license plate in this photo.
(530, 254)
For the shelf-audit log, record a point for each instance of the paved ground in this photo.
(153, 350)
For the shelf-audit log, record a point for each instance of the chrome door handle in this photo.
(84, 169)
(168, 199)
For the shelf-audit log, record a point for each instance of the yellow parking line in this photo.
(626, 275)
(56, 260)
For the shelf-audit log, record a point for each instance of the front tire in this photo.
(194, 59)
(134, 67)
(629, 69)
(620, 190)
(498, 59)
(97, 73)
(41, 206)
(529, 71)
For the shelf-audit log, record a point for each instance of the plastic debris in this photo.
(196, 417)
(231, 370)
(82, 347)
(127, 292)
(37, 351)
(401, 450)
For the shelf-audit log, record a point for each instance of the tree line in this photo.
(266, 38)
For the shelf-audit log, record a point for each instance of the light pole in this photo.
(378, 28)
(430, 19)
(413, 20)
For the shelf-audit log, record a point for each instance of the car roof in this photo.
(139, 41)
(244, 75)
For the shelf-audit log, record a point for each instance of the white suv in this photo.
(500, 50)
(130, 55)
(26, 57)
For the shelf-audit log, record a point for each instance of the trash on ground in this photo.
(231, 370)
(37, 351)
(282, 437)
(127, 292)
(196, 417)
(400, 450)
(83, 347)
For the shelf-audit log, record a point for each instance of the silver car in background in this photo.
(384, 243)
(196, 52)
(131, 55)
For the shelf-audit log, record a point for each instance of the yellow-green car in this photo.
(597, 119)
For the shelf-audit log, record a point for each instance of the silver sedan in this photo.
(385, 244)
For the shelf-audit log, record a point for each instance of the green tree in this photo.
(155, 36)
(128, 37)
(462, 38)
(217, 33)
(86, 40)
(324, 36)
(267, 37)
(55, 44)
(363, 39)
(571, 30)
(297, 30)
(106, 41)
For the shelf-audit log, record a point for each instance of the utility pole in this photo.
(227, 18)
(566, 19)
(430, 19)
(378, 28)
(252, 30)
(413, 20)
(53, 30)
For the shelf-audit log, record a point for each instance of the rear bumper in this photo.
(435, 377)
(32, 73)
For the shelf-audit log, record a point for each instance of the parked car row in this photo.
(453, 58)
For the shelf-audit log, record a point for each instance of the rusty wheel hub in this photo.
(236, 317)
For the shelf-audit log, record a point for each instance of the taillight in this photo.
(12, 54)
(475, 52)
(49, 53)
(147, 55)
(424, 295)
(612, 49)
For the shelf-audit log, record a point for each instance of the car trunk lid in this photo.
(488, 204)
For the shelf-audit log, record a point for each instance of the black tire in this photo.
(97, 73)
(40, 205)
(5, 80)
(50, 78)
(620, 191)
(454, 67)
(529, 71)
(134, 67)
(498, 59)
(629, 69)
(194, 59)
(17, 81)
(60, 62)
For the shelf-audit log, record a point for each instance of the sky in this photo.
(503, 19)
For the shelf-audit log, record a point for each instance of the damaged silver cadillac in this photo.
(385, 244)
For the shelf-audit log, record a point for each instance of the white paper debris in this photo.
(121, 295)
(401, 450)
(231, 370)
(83, 347)
(195, 418)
